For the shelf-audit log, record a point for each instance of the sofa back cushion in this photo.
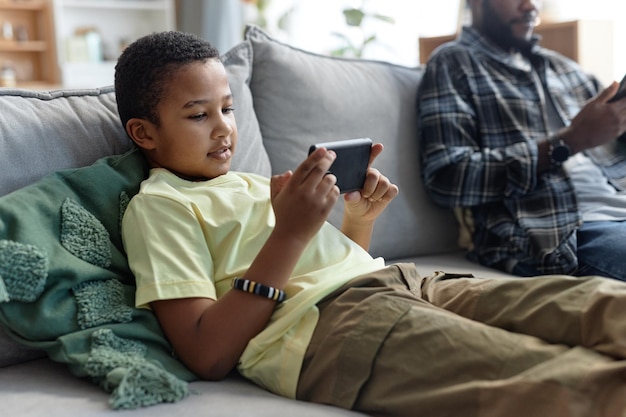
(42, 132)
(301, 98)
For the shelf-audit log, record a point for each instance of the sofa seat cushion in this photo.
(44, 388)
(453, 263)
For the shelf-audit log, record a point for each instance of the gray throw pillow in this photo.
(301, 98)
(250, 155)
(11, 352)
(42, 132)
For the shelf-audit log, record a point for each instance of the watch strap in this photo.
(558, 151)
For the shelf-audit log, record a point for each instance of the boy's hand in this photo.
(362, 208)
(377, 192)
(302, 200)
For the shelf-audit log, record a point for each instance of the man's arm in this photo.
(598, 122)
(471, 148)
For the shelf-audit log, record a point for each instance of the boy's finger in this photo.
(377, 149)
(315, 166)
(277, 182)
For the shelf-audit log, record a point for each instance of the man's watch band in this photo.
(558, 151)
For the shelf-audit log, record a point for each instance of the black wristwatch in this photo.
(558, 151)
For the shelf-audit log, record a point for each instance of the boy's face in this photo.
(197, 134)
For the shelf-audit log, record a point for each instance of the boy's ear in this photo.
(140, 131)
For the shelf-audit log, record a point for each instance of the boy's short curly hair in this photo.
(145, 67)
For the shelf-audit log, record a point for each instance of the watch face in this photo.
(560, 153)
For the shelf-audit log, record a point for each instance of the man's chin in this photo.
(515, 43)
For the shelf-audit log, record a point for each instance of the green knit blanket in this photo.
(66, 288)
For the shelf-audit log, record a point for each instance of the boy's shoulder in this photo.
(162, 182)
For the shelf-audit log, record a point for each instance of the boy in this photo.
(312, 315)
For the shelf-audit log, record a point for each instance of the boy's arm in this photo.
(362, 208)
(209, 336)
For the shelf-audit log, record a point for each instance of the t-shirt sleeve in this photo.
(166, 250)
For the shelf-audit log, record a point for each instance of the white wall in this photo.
(313, 21)
(613, 10)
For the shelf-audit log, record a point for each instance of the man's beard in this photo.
(501, 32)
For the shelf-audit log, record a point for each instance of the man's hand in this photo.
(598, 122)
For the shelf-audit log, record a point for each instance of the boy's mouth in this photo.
(223, 153)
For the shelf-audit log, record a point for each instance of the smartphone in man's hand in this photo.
(350, 166)
(621, 91)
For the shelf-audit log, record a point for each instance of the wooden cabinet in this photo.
(27, 45)
(116, 22)
(589, 42)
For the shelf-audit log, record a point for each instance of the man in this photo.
(522, 144)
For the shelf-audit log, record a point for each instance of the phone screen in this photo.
(350, 166)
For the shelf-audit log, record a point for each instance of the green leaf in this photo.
(384, 18)
(354, 17)
(369, 39)
(343, 37)
(283, 21)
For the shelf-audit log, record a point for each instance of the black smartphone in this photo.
(621, 91)
(350, 167)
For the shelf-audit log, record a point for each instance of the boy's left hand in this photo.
(377, 192)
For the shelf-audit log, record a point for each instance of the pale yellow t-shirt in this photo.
(190, 239)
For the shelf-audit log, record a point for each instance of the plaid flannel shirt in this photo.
(480, 118)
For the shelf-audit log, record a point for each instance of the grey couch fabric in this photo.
(285, 100)
(331, 99)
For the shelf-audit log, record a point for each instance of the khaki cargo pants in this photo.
(395, 344)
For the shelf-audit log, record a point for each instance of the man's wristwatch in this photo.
(558, 151)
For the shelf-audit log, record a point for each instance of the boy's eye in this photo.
(198, 116)
(228, 110)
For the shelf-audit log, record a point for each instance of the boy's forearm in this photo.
(277, 258)
(215, 333)
(359, 233)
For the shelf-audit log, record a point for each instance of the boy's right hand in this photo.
(302, 200)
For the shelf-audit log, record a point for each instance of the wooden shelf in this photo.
(22, 4)
(25, 46)
(30, 49)
(117, 4)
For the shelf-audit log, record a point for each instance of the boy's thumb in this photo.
(278, 182)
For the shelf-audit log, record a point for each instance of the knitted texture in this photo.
(120, 366)
(83, 235)
(109, 352)
(4, 293)
(147, 384)
(101, 302)
(23, 270)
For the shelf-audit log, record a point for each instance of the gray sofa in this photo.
(285, 100)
